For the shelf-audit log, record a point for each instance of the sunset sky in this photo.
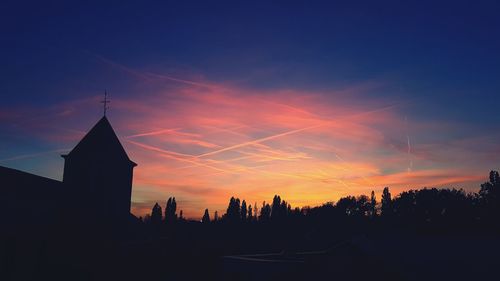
(213, 100)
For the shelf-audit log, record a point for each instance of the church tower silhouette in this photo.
(98, 172)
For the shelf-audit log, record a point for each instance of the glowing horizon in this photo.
(204, 142)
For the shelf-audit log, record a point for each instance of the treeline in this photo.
(427, 205)
(170, 216)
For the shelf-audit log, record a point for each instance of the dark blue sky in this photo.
(446, 53)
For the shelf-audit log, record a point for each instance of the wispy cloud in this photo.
(32, 155)
(205, 141)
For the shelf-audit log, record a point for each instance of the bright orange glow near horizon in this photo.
(214, 142)
(206, 142)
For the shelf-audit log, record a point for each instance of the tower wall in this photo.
(98, 173)
(105, 187)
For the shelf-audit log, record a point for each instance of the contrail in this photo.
(174, 131)
(217, 162)
(146, 75)
(193, 159)
(290, 107)
(257, 141)
(176, 156)
(24, 156)
(410, 164)
(231, 131)
(161, 76)
(410, 161)
(154, 133)
(269, 157)
(119, 66)
(239, 168)
(163, 151)
(324, 123)
(249, 155)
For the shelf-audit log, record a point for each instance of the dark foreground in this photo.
(196, 251)
(427, 234)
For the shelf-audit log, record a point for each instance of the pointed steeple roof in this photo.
(100, 142)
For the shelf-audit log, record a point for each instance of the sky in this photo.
(309, 100)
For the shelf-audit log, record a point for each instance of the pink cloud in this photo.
(204, 142)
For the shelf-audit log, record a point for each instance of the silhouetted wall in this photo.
(27, 200)
(99, 173)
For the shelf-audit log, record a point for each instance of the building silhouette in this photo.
(96, 186)
(98, 170)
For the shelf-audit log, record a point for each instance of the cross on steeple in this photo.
(105, 102)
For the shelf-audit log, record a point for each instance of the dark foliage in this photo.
(194, 250)
(206, 217)
(156, 215)
(170, 210)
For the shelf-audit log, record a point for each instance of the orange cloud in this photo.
(203, 142)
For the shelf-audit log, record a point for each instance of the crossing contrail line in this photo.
(32, 155)
(324, 123)
(176, 156)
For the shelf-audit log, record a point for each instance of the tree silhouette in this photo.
(427, 208)
(279, 209)
(490, 191)
(284, 209)
(362, 205)
(275, 208)
(167, 208)
(206, 217)
(265, 212)
(373, 204)
(386, 209)
(353, 206)
(170, 210)
(250, 213)
(255, 211)
(243, 211)
(156, 214)
(429, 204)
(404, 205)
(233, 213)
(347, 205)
